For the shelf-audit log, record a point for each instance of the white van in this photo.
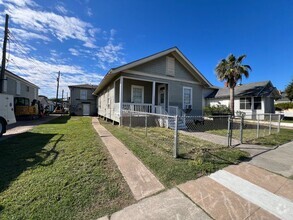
(6, 112)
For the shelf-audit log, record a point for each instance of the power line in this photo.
(25, 54)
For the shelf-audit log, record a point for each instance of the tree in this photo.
(231, 70)
(289, 91)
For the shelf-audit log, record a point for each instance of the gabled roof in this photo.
(84, 86)
(256, 89)
(11, 74)
(174, 51)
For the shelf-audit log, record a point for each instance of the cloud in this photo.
(22, 2)
(61, 9)
(41, 40)
(73, 51)
(111, 53)
(25, 35)
(62, 27)
(44, 74)
(89, 12)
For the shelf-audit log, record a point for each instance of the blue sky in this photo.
(84, 39)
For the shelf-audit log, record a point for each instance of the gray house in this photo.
(251, 98)
(19, 87)
(163, 83)
(82, 101)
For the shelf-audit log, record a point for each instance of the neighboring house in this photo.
(47, 104)
(19, 87)
(82, 101)
(252, 98)
(166, 83)
(282, 99)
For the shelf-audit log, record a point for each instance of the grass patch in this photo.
(197, 157)
(59, 170)
(249, 136)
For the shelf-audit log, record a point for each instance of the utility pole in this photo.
(4, 54)
(62, 97)
(58, 78)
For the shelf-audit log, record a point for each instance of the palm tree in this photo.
(231, 70)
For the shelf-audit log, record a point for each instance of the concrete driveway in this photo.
(24, 126)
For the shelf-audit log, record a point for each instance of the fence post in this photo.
(257, 126)
(229, 131)
(279, 122)
(146, 125)
(129, 120)
(270, 126)
(175, 150)
(241, 128)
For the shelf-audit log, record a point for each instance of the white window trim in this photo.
(80, 92)
(140, 87)
(251, 103)
(183, 104)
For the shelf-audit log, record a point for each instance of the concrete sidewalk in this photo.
(242, 191)
(278, 160)
(141, 181)
(217, 139)
(252, 149)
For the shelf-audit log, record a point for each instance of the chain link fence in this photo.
(182, 135)
(245, 128)
(158, 129)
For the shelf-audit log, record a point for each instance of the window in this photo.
(17, 87)
(245, 103)
(170, 67)
(187, 97)
(83, 94)
(137, 94)
(257, 102)
(27, 88)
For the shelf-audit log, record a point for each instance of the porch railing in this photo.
(138, 107)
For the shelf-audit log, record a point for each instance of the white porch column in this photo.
(120, 98)
(154, 97)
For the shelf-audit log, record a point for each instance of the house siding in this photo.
(76, 104)
(106, 103)
(175, 92)
(127, 90)
(158, 67)
(267, 105)
(31, 93)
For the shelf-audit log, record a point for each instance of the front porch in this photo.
(143, 96)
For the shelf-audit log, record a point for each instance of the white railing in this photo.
(158, 109)
(173, 110)
(138, 107)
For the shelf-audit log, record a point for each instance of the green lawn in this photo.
(155, 151)
(249, 136)
(59, 170)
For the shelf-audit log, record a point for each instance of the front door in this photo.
(162, 96)
(85, 109)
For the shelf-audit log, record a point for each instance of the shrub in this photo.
(284, 106)
(217, 110)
